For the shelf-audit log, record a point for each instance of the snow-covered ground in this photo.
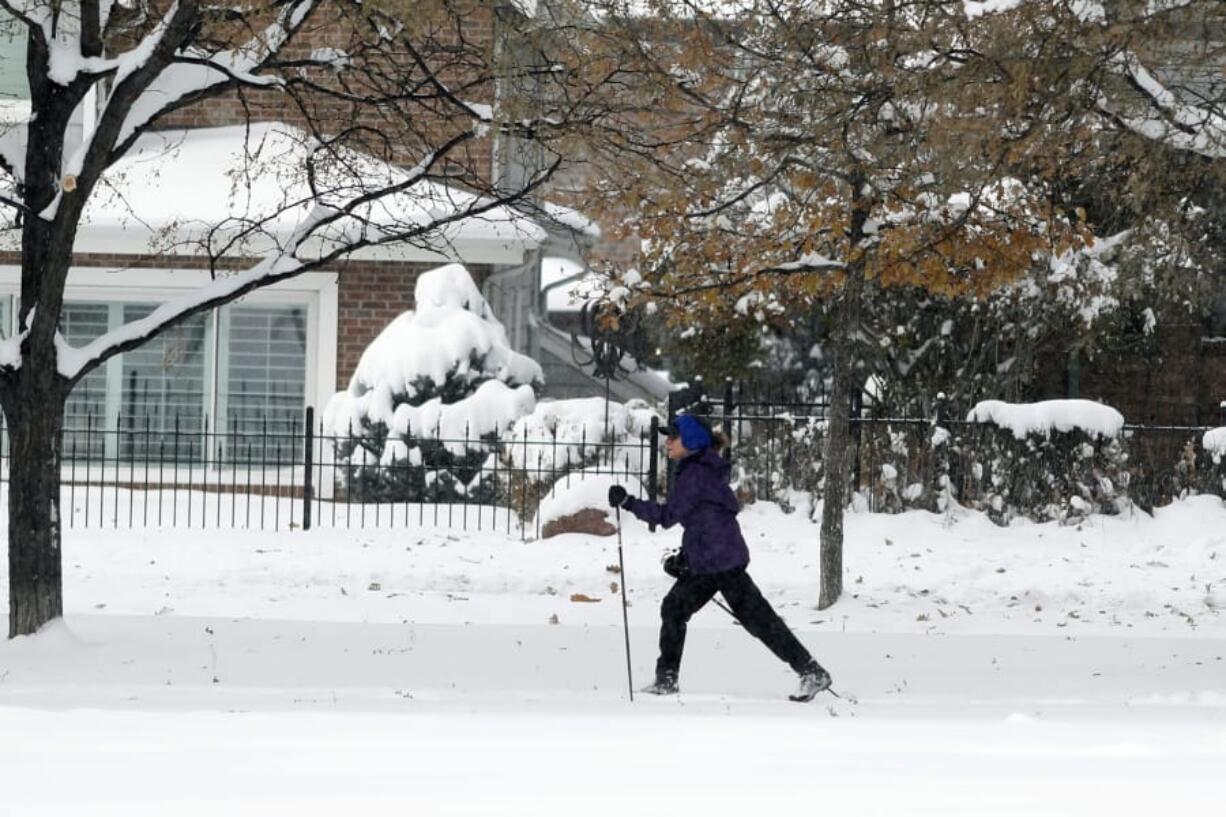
(1032, 670)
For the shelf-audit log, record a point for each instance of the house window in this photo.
(14, 86)
(244, 371)
(244, 365)
(162, 389)
(85, 414)
(262, 375)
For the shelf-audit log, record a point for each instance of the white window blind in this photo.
(161, 395)
(13, 82)
(263, 381)
(86, 411)
(162, 385)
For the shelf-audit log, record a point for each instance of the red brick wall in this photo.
(1182, 383)
(406, 140)
(371, 296)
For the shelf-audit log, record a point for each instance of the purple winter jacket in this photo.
(705, 506)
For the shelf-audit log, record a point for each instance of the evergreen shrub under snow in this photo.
(1056, 470)
(428, 397)
(441, 409)
(1054, 460)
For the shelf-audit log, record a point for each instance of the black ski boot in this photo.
(813, 679)
(665, 684)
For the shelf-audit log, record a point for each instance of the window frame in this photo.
(316, 291)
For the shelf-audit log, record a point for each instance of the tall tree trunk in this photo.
(33, 395)
(846, 326)
(839, 452)
(35, 564)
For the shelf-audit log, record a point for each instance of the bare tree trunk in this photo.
(834, 493)
(838, 451)
(35, 564)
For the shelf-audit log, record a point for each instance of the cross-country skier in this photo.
(712, 559)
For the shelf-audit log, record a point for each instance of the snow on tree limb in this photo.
(345, 215)
(13, 152)
(1169, 118)
(1149, 48)
(158, 74)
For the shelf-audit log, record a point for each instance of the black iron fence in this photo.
(777, 441)
(908, 462)
(296, 474)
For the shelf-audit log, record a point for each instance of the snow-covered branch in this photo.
(192, 72)
(75, 362)
(162, 73)
(1169, 118)
(342, 215)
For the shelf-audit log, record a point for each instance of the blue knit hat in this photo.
(694, 434)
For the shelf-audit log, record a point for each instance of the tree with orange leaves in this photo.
(793, 155)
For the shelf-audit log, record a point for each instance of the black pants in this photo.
(689, 595)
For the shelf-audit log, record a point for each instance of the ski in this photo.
(804, 699)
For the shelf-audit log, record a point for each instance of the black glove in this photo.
(617, 497)
(675, 565)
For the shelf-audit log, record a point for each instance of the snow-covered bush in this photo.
(561, 437)
(777, 458)
(428, 396)
(1174, 465)
(1053, 460)
(905, 465)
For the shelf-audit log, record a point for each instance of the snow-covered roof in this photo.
(174, 186)
(578, 287)
(563, 218)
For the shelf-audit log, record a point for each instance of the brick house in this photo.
(284, 347)
(1178, 377)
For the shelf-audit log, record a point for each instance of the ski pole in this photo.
(621, 564)
(727, 610)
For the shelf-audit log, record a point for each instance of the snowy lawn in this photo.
(1032, 670)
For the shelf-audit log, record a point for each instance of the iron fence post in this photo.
(308, 452)
(653, 464)
(727, 423)
(857, 400)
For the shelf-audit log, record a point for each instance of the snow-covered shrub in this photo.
(778, 457)
(561, 437)
(904, 465)
(1054, 460)
(1174, 463)
(427, 398)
